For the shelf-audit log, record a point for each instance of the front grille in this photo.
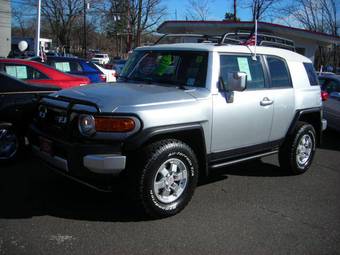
(54, 121)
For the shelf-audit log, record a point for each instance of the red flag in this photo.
(250, 41)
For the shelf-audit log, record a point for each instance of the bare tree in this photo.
(198, 9)
(314, 15)
(260, 8)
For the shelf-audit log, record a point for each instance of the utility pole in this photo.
(128, 27)
(37, 36)
(235, 13)
(84, 34)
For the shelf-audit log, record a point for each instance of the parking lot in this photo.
(252, 208)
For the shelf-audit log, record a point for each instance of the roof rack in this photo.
(262, 40)
(200, 38)
(229, 38)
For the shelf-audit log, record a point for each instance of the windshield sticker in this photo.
(10, 70)
(191, 81)
(243, 66)
(63, 66)
(21, 72)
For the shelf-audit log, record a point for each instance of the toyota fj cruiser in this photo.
(180, 111)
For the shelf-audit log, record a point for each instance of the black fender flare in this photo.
(141, 138)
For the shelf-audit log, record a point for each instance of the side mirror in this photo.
(237, 81)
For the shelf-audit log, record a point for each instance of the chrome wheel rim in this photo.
(304, 149)
(8, 144)
(170, 180)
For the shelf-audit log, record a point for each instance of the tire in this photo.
(10, 144)
(297, 152)
(166, 181)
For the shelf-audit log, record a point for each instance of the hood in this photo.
(109, 96)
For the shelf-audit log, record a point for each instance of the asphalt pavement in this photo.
(251, 208)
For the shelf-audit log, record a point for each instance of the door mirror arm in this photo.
(228, 94)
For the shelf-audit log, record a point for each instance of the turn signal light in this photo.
(105, 124)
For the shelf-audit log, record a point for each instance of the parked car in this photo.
(116, 65)
(36, 73)
(76, 66)
(110, 74)
(179, 112)
(17, 105)
(101, 59)
(330, 85)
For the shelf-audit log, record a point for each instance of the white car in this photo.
(110, 74)
(101, 59)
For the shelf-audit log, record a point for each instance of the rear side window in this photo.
(278, 72)
(312, 77)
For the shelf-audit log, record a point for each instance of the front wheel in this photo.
(168, 178)
(298, 151)
(9, 143)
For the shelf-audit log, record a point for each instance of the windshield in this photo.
(99, 56)
(181, 68)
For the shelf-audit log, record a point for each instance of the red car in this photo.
(37, 73)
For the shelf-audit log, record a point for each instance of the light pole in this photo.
(37, 36)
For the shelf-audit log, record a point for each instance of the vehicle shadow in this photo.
(331, 140)
(28, 189)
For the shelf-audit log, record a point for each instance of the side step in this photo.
(243, 159)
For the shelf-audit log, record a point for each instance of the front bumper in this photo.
(93, 163)
(101, 164)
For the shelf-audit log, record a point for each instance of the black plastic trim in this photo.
(225, 156)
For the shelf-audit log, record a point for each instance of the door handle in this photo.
(266, 101)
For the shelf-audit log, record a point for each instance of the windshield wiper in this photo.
(126, 78)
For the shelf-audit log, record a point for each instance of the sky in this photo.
(218, 8)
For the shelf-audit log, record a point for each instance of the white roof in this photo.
(286, 54)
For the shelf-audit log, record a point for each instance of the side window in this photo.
(312, 77)
(253, 69)
(34, 74)
(331, 86)
(278, 72)
(75, 67)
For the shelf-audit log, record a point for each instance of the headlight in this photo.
(87, 125)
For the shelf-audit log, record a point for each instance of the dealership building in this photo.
(306, 42)
(5, 27)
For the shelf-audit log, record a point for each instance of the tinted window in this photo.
(253, 69)
(312, 77)
(278, 72)
(331, 86)
(168, 67)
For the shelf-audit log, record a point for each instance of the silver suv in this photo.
(179, 112)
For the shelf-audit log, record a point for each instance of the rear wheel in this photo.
(167, 179)
(297, 153)
(9, 143)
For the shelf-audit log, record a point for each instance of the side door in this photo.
(280, 84)
(247, 120)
